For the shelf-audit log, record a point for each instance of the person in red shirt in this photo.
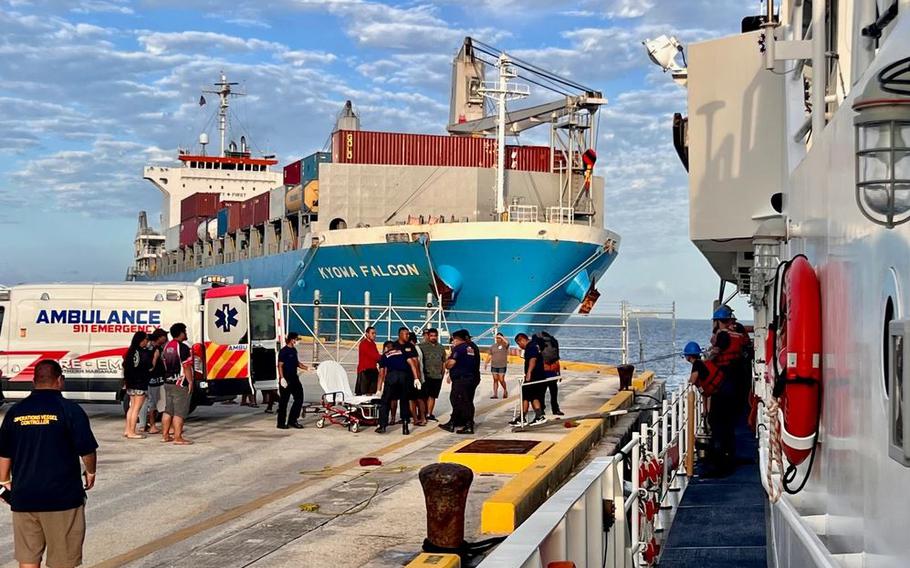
(367, 364)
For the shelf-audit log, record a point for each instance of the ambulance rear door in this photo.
(267, 335)
(226, 338)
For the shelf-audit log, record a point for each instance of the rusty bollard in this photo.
(445, 489)
(625, 376)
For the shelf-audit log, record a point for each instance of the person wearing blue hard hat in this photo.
(716, 389)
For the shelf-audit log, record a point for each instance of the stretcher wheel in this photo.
(355, 427)
(320, 423)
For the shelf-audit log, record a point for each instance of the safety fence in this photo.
(334, 327)
(600, 519)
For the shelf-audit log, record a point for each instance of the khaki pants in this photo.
(60, 533)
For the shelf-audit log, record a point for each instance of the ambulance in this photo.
(236, 331)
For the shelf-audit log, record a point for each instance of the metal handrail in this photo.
(569, 526)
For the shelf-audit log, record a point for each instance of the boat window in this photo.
(262, 320)
(338, 223)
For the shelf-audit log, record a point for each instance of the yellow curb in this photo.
(493, 462)
(425, 560)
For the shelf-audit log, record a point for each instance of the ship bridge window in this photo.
(338, 223)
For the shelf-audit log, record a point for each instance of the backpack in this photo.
(549, 347)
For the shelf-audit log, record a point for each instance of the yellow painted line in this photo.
(426, 560)
(493, 462)
(235, 513)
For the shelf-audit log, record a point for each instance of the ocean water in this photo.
(654, 344)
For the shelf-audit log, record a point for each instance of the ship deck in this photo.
(721, 521)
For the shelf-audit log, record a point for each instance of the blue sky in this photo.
(91, 91)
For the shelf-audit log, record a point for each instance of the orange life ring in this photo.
(800, 351)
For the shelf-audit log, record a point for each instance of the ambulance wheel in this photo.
(320, 423)
(355, 427)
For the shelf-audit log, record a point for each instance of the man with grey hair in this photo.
(42, 440)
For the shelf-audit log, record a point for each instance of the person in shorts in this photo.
(434, 360)
(498, 363)
(157, 340)
(178, 385)
(137, 368)
(42, 440)
(531, 394)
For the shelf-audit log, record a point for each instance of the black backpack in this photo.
(549, 347)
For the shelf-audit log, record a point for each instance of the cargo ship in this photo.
(461, 221)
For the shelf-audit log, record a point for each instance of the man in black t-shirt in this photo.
(42, 440)
(289, 384)
(400, 363)
(534, 371)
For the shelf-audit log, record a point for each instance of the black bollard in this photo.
(445, 489)
(625, 376)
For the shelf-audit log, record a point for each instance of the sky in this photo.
(92, 91)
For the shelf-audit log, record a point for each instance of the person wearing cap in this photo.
(730, 351)
(463, 365)
(720, 397)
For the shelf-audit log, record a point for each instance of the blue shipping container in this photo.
(222, 222)
(310, 165)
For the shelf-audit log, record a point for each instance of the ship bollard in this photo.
(445, 489)
(625, 376)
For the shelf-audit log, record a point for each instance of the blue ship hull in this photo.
(477, 271)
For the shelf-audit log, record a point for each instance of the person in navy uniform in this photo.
(289, 384)
(463, 365)
(42, 440)
(400, 364)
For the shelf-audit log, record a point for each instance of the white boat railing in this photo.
(591, 521)
(335, 327)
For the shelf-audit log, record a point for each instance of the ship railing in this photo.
(560, 214)
(523, 213)
(598, 518)
(335, 327)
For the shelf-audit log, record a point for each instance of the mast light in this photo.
(882, 124)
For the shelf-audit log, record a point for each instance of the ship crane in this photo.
(572, 117)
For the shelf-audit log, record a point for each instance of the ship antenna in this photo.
(224, 92)
(500, 92)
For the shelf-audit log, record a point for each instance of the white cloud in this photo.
(159, 43)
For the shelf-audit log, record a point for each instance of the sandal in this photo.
(135, 437)
(183, 443)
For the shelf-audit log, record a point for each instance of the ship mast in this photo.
(224, 92)
(500, 92)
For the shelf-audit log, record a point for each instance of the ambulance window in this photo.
(262, 318)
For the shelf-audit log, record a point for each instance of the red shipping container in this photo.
(393, 148)
(246, 213)
(189, 231)
(199, 205)
(292, 173)
(261, 212)
(233, 208)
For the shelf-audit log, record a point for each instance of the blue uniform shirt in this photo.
(45, 435)
(290, 362)
(465, 357)
(396, 358)
(532, 352)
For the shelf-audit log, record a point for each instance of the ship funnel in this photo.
(243, 144)
(347, 119)
(232, 147)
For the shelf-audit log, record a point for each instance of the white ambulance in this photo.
(236, 333)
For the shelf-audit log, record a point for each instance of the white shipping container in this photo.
(276, 202)
(172, 238)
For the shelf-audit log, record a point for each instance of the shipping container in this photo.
(292, 173)
(276, 202)
(188, 231)
(199, 205)
(233, 215)
(392, 148)
(246, 212)
(261, 208)
(310, 166)
(223, 215)
(172, 237)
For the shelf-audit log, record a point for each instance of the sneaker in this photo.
(559, 413)
(431, 417)
(448, 427)
(539, 420)
(469, 429)
(515, 421)
(297, 425)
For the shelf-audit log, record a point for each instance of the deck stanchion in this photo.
(366, 310)
(338, 327)
(690, 433)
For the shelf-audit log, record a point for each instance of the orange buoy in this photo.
(800, 354)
